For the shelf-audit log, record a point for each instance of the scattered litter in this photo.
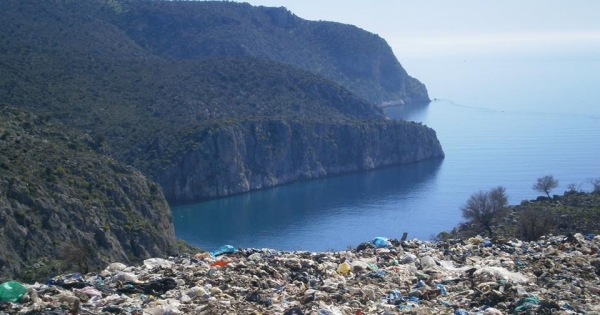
(557, 274)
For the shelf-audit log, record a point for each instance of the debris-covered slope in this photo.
(557, 275)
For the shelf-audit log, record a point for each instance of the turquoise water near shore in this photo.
(508, 123)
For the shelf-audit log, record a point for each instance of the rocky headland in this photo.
(253, 155)
(212, 98)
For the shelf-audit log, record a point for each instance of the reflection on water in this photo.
(285, 217)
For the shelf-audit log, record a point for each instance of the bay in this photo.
(503, 123)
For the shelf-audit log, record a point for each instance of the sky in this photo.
(437, 40)
(443, 29)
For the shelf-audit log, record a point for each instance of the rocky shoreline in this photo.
(558, 274)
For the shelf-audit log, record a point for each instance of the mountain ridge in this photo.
(74, 62)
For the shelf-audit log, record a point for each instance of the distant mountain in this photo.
(354, 58)
(62, 203)
(202, 126)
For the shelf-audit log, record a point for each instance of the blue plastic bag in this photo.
(442, 288)
(225, 249)
(395, 297)
(381, 242)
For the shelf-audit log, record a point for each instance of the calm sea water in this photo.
(501, 123)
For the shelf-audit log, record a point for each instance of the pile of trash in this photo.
(556, 275)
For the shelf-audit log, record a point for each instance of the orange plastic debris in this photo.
(219, 263)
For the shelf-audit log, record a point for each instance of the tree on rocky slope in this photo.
(545, 184)
(595, 185)
(483, 207)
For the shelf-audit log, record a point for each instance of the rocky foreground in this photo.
(558, 274)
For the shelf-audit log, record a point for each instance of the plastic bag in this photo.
(381, 242)
(225, 249)
(344, 268)
(157, 262)
(219, 263)
(11, 291)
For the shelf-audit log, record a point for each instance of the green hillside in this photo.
(81, 63)
(60, 196)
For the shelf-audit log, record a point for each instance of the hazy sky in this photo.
(448, 45)
(444, 29)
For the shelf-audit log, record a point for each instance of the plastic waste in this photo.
(157, 262)
(202, 255)
(395, 297)
(373, 267)
(495, 273)
(442, 288)
(567, 307)
(381, 242)
(428, 262)
(344, 268)
(89, 291)
(420, 284)
(11, 291)
(475, 240)
(376, 274)
(589, 236)
(162, 310)
(293, 311)
(114, 267)
(487, 243)
(65, 279)
(527, 303)
(220, 263)
(461, 311)
(225, 249)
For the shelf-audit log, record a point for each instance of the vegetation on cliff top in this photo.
(573, 212)
(60, 197)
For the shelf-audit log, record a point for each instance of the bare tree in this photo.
(483, 207)
(545, 184)
(595, 184)
(535, 222)
(75, 253)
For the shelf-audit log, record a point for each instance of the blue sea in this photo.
(500, 123)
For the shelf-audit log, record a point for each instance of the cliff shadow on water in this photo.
(298, 216)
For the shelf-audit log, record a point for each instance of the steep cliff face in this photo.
(257, 154)
(63, 204)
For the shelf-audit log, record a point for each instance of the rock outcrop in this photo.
(63, 204)
(258, 154)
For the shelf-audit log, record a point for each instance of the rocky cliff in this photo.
(63, 205)
(252, 155)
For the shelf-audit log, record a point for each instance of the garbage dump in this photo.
(556, 275)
